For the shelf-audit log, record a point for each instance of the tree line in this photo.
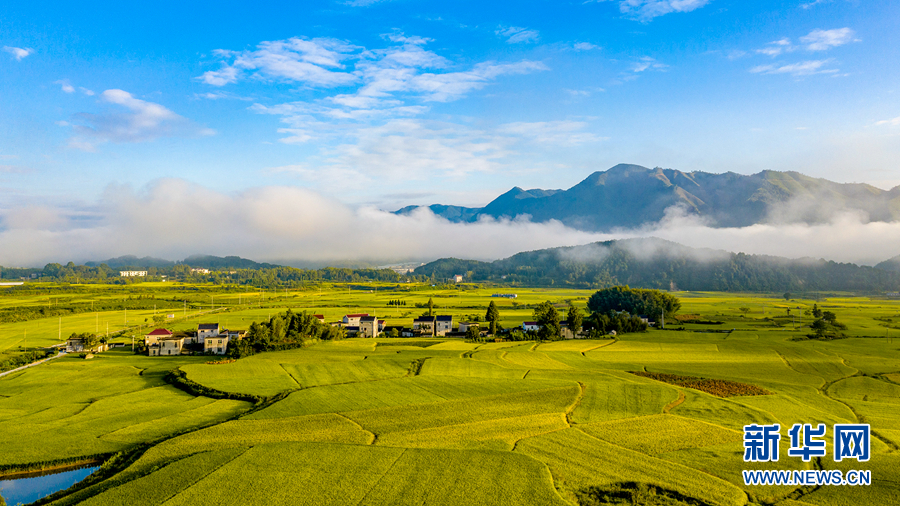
(666, 266)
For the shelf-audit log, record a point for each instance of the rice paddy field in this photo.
(555, 423)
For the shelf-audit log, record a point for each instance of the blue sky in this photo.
(373, 104)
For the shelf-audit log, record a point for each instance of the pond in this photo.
(29, 488)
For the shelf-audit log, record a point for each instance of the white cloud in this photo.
(561, 133)
(649, 9)
(812, 4)
(268, 223)
(777, 47)
(804, 68)
(142, 121)
(86, 91)
(65, 86)
(517, 34)
(584, 46)
(821, 40)
(280, 223)
(18, 52)
(648, 63)
(894, 122)
(221, 77)
(312, 62)
(405, 149)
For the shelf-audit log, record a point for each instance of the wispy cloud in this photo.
(777, 47)
(647, 63)
(412, 149)
(584, 46)
(65, 86)
(894, 121)
(560, 133)
(18, 52)
(804, 68)
(646, 10)
(814, 3)
(139, 122)
(516, 34)
(821, 40)
(312, 62)
(816, 40)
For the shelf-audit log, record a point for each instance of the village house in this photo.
(442, 325)
(199, 271)
(526, 326)
(155, 335)
(457, 278)
(205, 330)
(368, 327)
(218, 345)
(167, 346)
(353, 319)
(130, 274)
(76, 345)
(464, 326)
(424, 325)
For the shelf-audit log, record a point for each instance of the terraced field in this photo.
(352, 422)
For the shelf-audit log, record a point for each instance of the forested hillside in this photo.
(654, 263)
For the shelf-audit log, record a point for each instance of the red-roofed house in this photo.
(154, 336)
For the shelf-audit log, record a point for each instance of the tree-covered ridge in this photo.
(655, 263)
(264, 277)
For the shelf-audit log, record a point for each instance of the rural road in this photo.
(60, 354)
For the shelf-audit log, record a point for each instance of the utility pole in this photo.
(60, 329)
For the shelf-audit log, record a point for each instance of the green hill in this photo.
(655, 263)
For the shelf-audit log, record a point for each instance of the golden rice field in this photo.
(350, 422)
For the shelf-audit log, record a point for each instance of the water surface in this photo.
(30, 488)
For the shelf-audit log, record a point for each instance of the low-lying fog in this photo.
(172, 219)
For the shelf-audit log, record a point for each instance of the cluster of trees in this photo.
(283, 331)
(396, 302)
(825, 324)
(602, 324)
(654, 304)
(660, 264)
(88, 339)
(18, 360)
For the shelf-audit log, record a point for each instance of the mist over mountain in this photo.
(628, 196)
(199, 261)
(657, 263)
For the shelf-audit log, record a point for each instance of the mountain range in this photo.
(628, 196)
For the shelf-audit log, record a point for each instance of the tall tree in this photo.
(492, 316)
(430, 307)
(574, 319)
(548, 318)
